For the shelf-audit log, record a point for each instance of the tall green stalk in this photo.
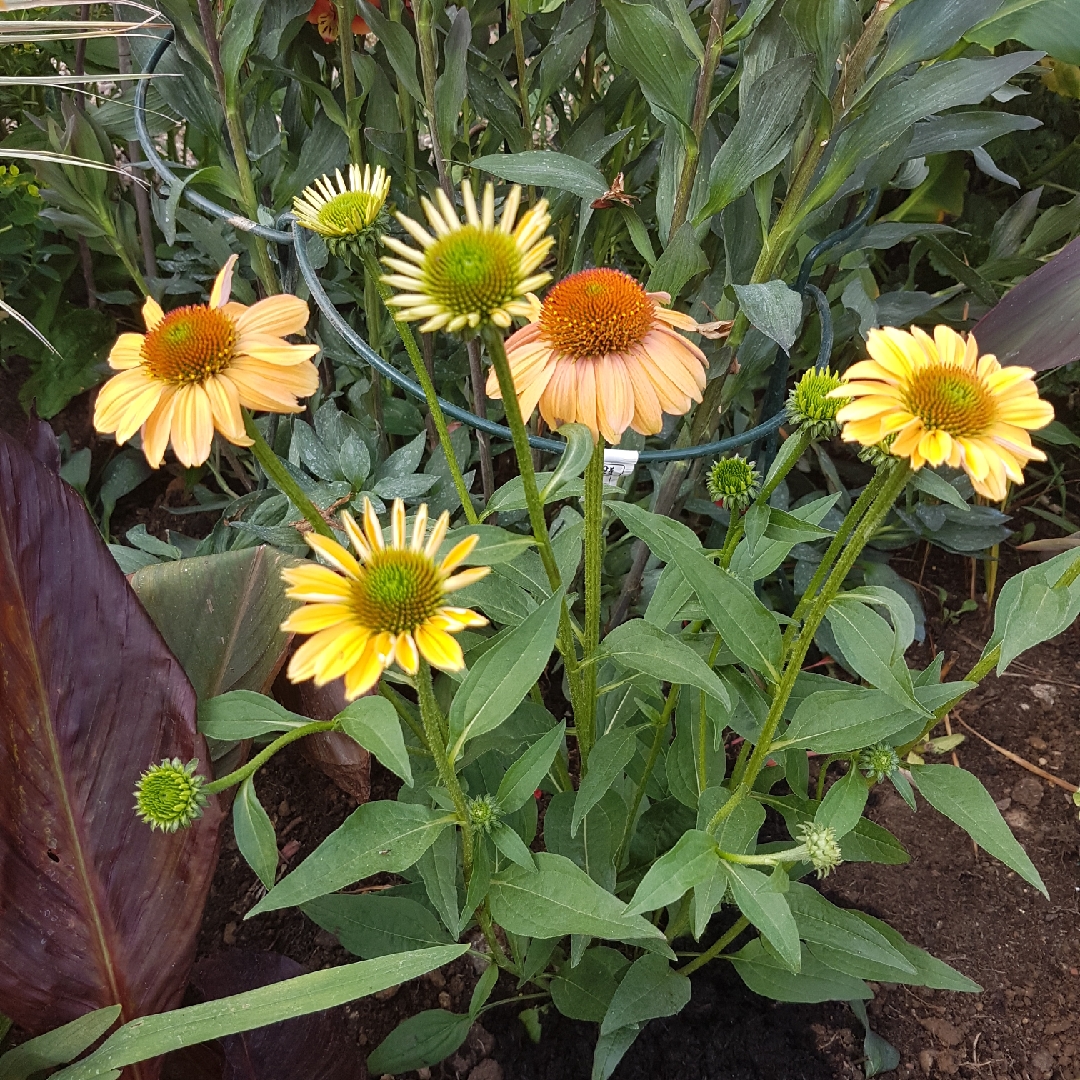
(348, 79)
(585, 725)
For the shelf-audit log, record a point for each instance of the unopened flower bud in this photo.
(734, 482)
(169, 796)
(877, 762)
(822, 847)
(810, 406)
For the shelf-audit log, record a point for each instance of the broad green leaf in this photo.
(151, 1036)
(59, 1046)
(440, 869)
(843, 804)
(524, 776)
(494, 546)
(399, 45)
(237, 36)
(373, 723)
(783, 531)
(607, 759)
(931, 971)
(418, 1041)
(584, 992)
(642, 647)
(511, 845)
(763, 134)
(561, 899)
(867, 842)
(375, 924)
(935, 484)
(658, 532)
(1040, 24)
(960, 796)
(690, 862)
(900, 613)
(748, 628)
(814, 982)
(500, 679)
(683, 259)
(648, 990)
(579, 449)
(836, 721)
(546, 168)
(611, 1048)
(767, 909)
(451, 85)
(245, 714)
(774, 308)
(863, 950)
(594, 845)
(563, 52)
(255, 836)
(378, 837)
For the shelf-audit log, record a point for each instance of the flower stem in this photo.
(222, 783)
(594, 554)
(735, 527)
(348, 79)
(374, 273)
(514, 12)
(425, 36)
(717, 947)
(896, 478)
(283, 480)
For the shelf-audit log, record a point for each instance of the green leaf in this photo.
(774, 309)
(648, 990)
(660, 533)
(564, 51)
(236, 37)
(584, 992)
(642, 647)
(420, 1040)
(748, 628)
(643, 40)
(511, 845)
(763, 134)
(610, 1048)
(151, 1036)
(931, 971)
(682, 259)
(59, 1046)
(399, 45)
(546, 168)
(579, 449)
(607, 759)
(767, 909)
(843, 804)
(255, 836)
(814, 982)
(1040, 24)
(561, 899)
(123, 474)
(960, 796)
(523, 777)
(899, 610)
(451, 85)
(245, 714)
(378, 837)
(837, 721)
(375, 924)
(690, 862)
(495, 546)
(373, 723)
(500, 679)
(594, 846)
(440, 868)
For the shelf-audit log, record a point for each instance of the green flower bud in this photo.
(809, 405)
(878, 454)
(877, 762)
(484, 812)
(822, 847)
(734, 482)
(169, 796)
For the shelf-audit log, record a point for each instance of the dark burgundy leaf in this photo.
(95, 909)
(314, 1047)
(1037, 323)
(40, 440)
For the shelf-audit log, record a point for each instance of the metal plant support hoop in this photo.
(761, 434)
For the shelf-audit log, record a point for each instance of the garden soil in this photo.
(951, 899)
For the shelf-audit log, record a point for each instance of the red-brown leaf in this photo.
(95, 909)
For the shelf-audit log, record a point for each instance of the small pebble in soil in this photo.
(488, 1069)
(445, 1001)
(388, 993)
(1027, 792)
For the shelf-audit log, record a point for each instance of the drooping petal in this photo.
(219, 294)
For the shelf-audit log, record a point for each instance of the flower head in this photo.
(388, 605)
(346, 216)
(878, 762)
(810, 406)
(484, 812)
(473, 271)
(945, 403)
(603, 352)
(169, 796)
(734, 482)
(195, 367)
(822, 847)
(323, 14)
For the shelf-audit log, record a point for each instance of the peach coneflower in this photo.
(389, 605)
(196, 367)
(945, 404)
(603, 352)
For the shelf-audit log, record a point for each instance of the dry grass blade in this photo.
(1023, 763)
(70, 159)
(73, 80)
(23, 321)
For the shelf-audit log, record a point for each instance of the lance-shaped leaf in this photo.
(97, 909)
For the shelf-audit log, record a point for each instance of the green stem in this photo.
(735, 527)
(222, 783)
(594, 544)
(371, 265)
(514, 11)
(404, 709)
(717, 947)
(348, 79)
(654, 752)
(897, 477)
(425, 36)
(802, 441)
(283, 479)
(703, 717)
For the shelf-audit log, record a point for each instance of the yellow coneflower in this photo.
(343, 214)
(389, 605)
(195, 367)
(473, 271)
(603, 352)
(945, 404)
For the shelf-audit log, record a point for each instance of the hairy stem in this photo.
(594, 545)
(717, 947)
(264, 755)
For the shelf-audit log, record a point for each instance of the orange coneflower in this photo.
(390, 605)
(603, 352)
(945, 404)
(196, 367)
